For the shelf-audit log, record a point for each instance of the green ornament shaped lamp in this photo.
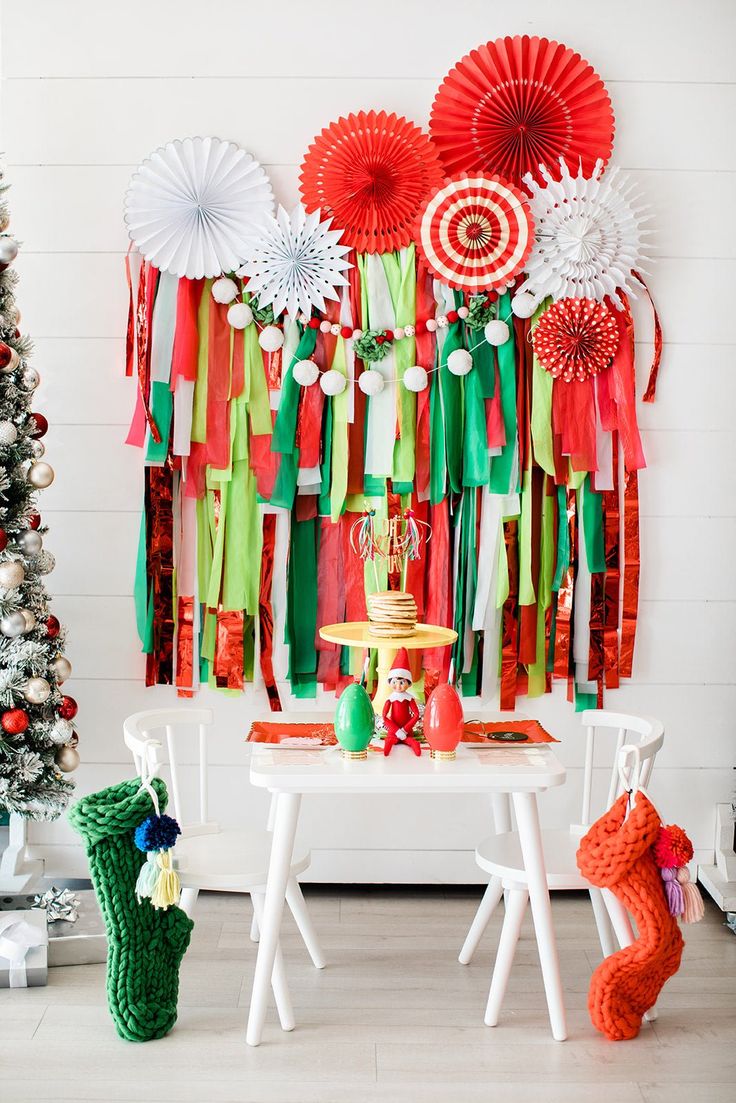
(354, 722)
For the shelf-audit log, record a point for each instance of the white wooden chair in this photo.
(206, 855)
(638, 738)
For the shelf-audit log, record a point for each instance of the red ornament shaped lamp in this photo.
(443, 722)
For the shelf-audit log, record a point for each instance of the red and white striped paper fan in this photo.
(476, 233)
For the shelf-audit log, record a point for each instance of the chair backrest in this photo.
(638, 740)
(150, 754)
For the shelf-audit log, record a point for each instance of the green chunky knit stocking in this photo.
(145, 946)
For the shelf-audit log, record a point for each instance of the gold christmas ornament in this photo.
(31, 542)
(13, 624)
(37, 690)
(11, 574)
(61, 667)
(67, 759)
(40, 475)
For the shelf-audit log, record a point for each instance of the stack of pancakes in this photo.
(392, 613)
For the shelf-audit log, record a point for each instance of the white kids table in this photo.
(522, 771)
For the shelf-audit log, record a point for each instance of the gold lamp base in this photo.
(354, 756)
(443, 756)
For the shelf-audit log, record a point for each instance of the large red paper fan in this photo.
(371, 172)
(513, 104)
(475, 233)
(576, 339)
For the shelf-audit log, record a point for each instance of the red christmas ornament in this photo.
(53, 627)
(7, 355)
(3, 539)
(575, 339)
(517, 103)
(371, 172)
(35, 520)
(14, 721)
(68, 708)
(42, 425)
(672, 848)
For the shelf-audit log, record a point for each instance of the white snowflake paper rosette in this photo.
(296, 262)
(193, 204)
(588, 235)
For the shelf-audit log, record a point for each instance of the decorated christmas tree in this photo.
(37, 739)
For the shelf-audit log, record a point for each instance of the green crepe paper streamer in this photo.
(256, 389)
(501, 466)
(339, 487)
(243, 542)
(537, 671)
(452, 391)
(373, 485)
(563, 540)
(162, 404)
(527, 596)
(301, 607)
(249, 650)
(323, 504)
(484, 361)
(209, 641)
(140, 586)
(214, 583)
(595, 550)
(437, 462)
(204, 545)
(284, 430)
(402, 488)
(541, 416)
(585, 701)
(199, 402)
(476, 461)
(575, 479)
(147, 648)
(466, 574)
(284, 487)
(400, 269)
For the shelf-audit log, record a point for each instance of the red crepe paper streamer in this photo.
(370, 172)
(517, 103)
(265, 612)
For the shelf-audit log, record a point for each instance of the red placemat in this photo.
(323, 735)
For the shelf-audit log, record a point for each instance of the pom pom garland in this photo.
(416, 379)
(371, 382)
(224, 290)
(305, 372)
(271, 338)
(496, 332)
(460, 362)
(524, 304)
(333, 382)
(240, 315)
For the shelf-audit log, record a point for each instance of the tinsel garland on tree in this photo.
(37, 739)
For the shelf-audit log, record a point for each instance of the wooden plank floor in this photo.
(393, 1018)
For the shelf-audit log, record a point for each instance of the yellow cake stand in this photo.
(358, 634)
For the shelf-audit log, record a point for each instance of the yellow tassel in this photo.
(167, 889)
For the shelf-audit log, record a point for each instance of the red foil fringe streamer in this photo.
(229, 648)
(160, 569)
(265, 612)
(185, 647)
(510, 625)
(630, 601)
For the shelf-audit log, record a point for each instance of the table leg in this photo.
(282, 847)
(501, 812)
(530, 837)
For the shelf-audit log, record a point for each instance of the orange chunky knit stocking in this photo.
(617, 854)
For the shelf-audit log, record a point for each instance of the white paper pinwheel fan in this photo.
(588, 236)
(193, 204)
(296, 262)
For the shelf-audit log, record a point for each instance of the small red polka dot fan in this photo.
(575, 340)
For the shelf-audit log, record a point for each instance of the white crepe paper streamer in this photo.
(381, 433)
(183, 406)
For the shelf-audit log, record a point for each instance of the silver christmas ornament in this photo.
(29, 618)
(13, 624)
(31, 542)
(40, 475)
(37, 690)
(8, 250)
(30, 379)
(11, 574)
(45, 563)
(38, 449)
(67, 759)
(61, 667)
(8, 432)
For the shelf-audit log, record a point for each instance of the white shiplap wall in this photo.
(89, 89)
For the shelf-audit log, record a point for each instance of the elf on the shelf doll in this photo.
(401, 712)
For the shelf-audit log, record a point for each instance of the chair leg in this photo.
(516, 901)
(255, 934)
(486, 908)
(602, 922)
(279, 986)
(303, 920)
(188, 900)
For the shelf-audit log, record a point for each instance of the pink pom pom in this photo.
(431, 325)
(324, 327)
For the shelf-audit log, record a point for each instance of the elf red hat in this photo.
(400, 666)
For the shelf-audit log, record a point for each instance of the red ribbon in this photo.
(649, 393)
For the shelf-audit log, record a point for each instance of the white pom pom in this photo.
(399, 333)
(409, 331)
(462, 312)
(431, 325)
(524, 304)
(371, 382)
(497, 333)
(305, 372)
(460, 362)
(442, 321)
(357, 334)
(224, 290)
(240, 315)
(324, 326)
(333, 382)
(416, 379)
(271, 338)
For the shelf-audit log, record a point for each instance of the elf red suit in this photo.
(400, 712)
